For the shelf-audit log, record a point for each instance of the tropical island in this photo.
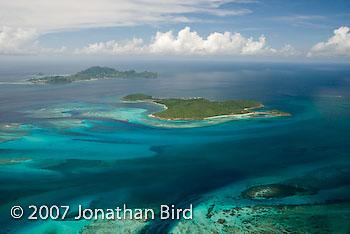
(200, 108)
(91, 73)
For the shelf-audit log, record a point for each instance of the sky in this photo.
(289, 29)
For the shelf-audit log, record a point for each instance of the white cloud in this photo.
(133, 46)
(289, 50)
(59, 15)
(186, 42)
(14, 40)
(256, 47)
(337, 45)
(22, 41)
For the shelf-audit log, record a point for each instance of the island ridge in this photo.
(91, 74)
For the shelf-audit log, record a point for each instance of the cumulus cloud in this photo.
(61, 15)
(289, 50)
(186, 42)
(23, 41)
(133, 46)
(14, 40)
(337, 45)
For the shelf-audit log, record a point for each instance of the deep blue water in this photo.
(108, 161)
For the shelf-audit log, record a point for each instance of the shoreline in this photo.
(213, 117)
(76, 81)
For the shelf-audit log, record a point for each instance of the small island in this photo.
(91, 73)
(273, 191)
(200, 108)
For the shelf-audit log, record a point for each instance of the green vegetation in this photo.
(196, 108)
(92, 73)
(137, 97)
(200, 108)
(55, 80)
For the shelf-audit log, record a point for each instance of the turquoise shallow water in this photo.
(81, 145)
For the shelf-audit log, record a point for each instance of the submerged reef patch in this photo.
(11, 161)
(278, 219)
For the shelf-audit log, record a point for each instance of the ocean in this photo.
(78, 143)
